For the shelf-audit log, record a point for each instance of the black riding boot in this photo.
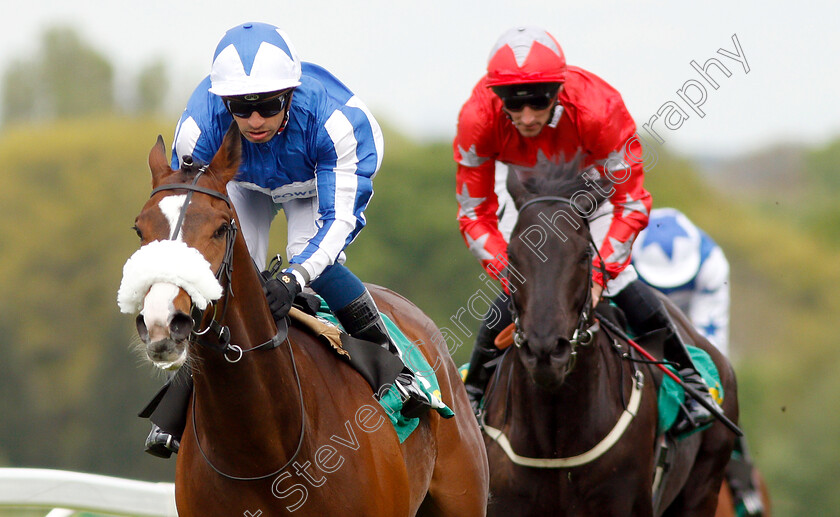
(361, 319)
(168, 414)
(484, 351)
(745, 494)
(645, 312)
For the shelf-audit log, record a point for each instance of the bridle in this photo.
(583, 335)
(587, 326)
(223, 275)
(222, 343)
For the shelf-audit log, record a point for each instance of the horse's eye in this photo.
(222, 231)
(137, 230)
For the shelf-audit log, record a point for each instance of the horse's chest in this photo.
(581, 491)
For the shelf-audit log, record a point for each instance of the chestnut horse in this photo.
(570, 422)
(281, 424)
(726, 504)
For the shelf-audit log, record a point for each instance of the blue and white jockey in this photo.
(309, 147)
(681, 260)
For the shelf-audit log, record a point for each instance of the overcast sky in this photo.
(414, 63)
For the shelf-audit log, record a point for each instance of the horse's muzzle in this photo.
(166, 346)
(547, 364)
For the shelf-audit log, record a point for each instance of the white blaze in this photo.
(158, 307)
(172, 206)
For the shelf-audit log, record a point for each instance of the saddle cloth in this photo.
(326, 326)
(671, 394)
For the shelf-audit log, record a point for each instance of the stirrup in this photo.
(415, 400)
(160, 443)
(750, 502)
(692, 414)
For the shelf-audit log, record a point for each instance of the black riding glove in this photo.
(280, 292)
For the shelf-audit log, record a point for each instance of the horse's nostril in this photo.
(562, 349)
(142, 331)
(180, 326)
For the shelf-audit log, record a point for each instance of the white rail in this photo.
(66, 492)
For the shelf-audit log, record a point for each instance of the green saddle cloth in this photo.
(417, 363)
(671, 394)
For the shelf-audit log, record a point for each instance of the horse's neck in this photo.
(232, 397)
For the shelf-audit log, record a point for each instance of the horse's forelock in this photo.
(188, 172)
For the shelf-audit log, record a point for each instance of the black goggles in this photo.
(267, 108)
(538, 96)
(537, 102)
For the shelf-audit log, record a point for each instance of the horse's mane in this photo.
(567, 185)
(553, 186)
(191, 167)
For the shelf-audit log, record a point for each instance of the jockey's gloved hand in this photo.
(280, 291)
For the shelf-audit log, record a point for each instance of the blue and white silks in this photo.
(330, 150)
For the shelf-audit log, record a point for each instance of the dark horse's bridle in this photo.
(222, 332)
(587, 326)
(583, 335)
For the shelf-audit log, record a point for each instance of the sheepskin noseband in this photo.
(167, 261)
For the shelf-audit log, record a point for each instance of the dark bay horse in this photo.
(571, 426)
(277, 425)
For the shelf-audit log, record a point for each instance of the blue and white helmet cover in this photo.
(254, 58)
(667, 253)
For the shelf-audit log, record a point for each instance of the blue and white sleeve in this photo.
(350, 147)
(197, 134)
(709, 308)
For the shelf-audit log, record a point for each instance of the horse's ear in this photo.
(157, 161)
(225, 163)
(517, 189)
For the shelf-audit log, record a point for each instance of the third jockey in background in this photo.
(535, 114)
(682, 261)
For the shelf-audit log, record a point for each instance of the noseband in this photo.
(587, 327)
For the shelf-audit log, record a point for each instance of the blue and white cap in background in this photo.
(254, 58)
(666, 254)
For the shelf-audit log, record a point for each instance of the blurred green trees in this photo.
(68, 78)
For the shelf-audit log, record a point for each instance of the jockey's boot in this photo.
(745, 494)
(361, 319)
(168, 410)
(160, 443)
(646, 313)
(482, 365)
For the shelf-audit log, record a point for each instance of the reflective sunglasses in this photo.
(267, 108)
(536, 102)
